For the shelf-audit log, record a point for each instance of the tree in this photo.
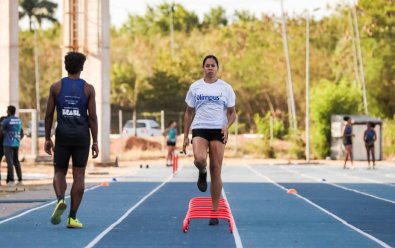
(123, 85)
(165, 92)
(37, 10)
(377, 22)
(215, 18)
(330, 98)
(156, 20)
(244, 16)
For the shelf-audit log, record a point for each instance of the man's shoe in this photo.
(10, 183)
(56, 217)
(202, 181)
(213, 222)
(74, 223)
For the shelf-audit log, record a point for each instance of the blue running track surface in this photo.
(372, 216)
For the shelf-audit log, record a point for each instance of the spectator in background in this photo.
(171, 138)
(12, 135)
(347, 141)
(370, 137)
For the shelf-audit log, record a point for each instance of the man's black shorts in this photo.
(208, 134)
(79, 156)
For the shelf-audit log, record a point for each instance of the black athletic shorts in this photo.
(170, 143)
(79, 156)
(369, 144)
(347, 141)
(208, 134)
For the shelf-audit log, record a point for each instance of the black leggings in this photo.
(11, 155)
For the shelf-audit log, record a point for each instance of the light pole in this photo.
(308, 85)
(291, 100)
(365, 100)
(173, 54)
(354, 53)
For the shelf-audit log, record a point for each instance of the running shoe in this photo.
(213, 221)
(202, 181)
(56, 217)
(74, 223)
(10, 183)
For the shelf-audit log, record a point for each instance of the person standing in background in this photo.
(369, 137)
(13, 133)
(347, 141)
(171, 138)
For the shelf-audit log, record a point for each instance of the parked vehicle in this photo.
(40, 130)
(145, 128)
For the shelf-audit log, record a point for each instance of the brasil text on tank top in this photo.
(71, 107)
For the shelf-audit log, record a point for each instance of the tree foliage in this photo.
(157, 20)
(328, 99)
(50, 65)
(215, 18)
(37, 10)
(123, 84)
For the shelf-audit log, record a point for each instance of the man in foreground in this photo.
(75, 104)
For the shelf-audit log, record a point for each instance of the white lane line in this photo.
(338, 186)
(52, 202)
(382, 243)
(358, 177)
(40, 207)
(126, 214)
(236, 234)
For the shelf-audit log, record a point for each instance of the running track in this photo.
(333, 208)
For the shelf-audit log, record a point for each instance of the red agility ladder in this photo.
(202, 207)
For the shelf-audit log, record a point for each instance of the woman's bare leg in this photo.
(368, 154)
(200, 147)
(216, 153)
(373, 157)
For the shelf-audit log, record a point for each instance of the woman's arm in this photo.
(231, 114)
(188, 117)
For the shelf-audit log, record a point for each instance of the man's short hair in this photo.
(74, 62)
(11, 110)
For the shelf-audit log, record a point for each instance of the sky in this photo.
(119, 9)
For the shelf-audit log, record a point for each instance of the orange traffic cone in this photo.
(104, 184)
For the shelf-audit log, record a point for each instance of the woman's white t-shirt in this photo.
(210, 102)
